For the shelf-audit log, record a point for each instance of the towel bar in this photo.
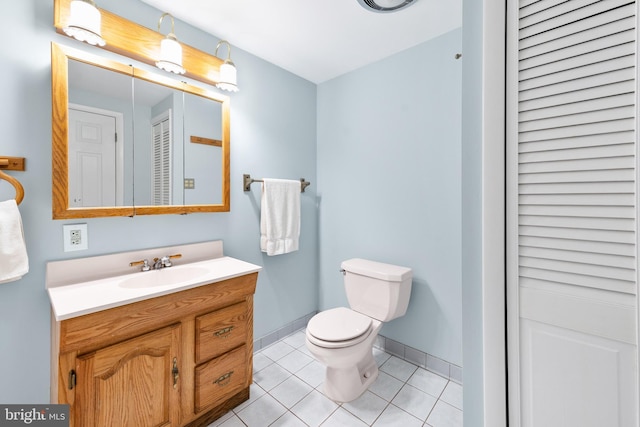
(13, 163)
(247, 181)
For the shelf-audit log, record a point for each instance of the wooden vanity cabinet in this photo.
(182, 359)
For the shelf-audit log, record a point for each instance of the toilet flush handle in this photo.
(343, 271)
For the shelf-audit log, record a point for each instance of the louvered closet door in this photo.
(161, 174)
(572, 263)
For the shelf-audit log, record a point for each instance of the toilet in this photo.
(342, 338)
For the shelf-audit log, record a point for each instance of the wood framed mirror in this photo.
(167, 141)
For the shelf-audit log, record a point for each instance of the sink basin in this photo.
(166, 276)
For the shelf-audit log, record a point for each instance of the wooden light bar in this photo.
(127, 38)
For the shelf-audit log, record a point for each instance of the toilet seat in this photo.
(338, 327)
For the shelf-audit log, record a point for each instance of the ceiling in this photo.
(315, 40)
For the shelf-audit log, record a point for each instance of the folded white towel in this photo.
(280, 216)
(13, 252)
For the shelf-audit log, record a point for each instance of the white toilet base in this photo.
(350, 370)
(347, 384)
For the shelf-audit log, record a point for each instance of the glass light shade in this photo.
(228, 77)
(170, 56)
(84, 23)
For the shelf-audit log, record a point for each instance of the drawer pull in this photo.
(224, 332)
(175, 372)
(224, 380)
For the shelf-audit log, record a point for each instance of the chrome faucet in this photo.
(165, 261)
(158, 263)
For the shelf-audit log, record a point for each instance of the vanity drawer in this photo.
(221, 331)
(220, 378)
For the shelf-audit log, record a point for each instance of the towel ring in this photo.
(16, 184)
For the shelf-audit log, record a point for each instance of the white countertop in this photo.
(87, 297)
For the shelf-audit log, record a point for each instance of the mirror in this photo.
(159, 145)
(203, 141)
(130, 142)
(100, 132)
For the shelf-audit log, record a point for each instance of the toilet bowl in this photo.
(347, 353)
(342, 338)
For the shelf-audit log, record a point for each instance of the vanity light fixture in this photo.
(228, 74)
(170, 50)
(85, 22)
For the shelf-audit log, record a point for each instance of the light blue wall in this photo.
(273, 134)
(389, 185)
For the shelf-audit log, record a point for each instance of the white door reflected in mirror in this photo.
(95, 166)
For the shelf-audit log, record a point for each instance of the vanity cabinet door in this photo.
(134, 383)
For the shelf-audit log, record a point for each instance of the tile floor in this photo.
(287, 391)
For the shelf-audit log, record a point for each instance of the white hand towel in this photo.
(13, 252)
(280, 216)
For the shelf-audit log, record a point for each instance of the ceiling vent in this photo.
(385, 6)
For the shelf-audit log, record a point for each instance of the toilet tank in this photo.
(376, 289)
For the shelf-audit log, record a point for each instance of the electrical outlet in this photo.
(75, 237)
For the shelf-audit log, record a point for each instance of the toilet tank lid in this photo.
(377, 270)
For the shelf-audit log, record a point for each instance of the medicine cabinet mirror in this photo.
(127, 141)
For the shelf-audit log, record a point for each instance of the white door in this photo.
(92, 158)
(572, 213)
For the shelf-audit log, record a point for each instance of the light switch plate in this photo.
(75, 237)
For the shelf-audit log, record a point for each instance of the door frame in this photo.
(483, 221)
(512, 294)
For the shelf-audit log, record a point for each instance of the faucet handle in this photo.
(166, 260)
(144, 263)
